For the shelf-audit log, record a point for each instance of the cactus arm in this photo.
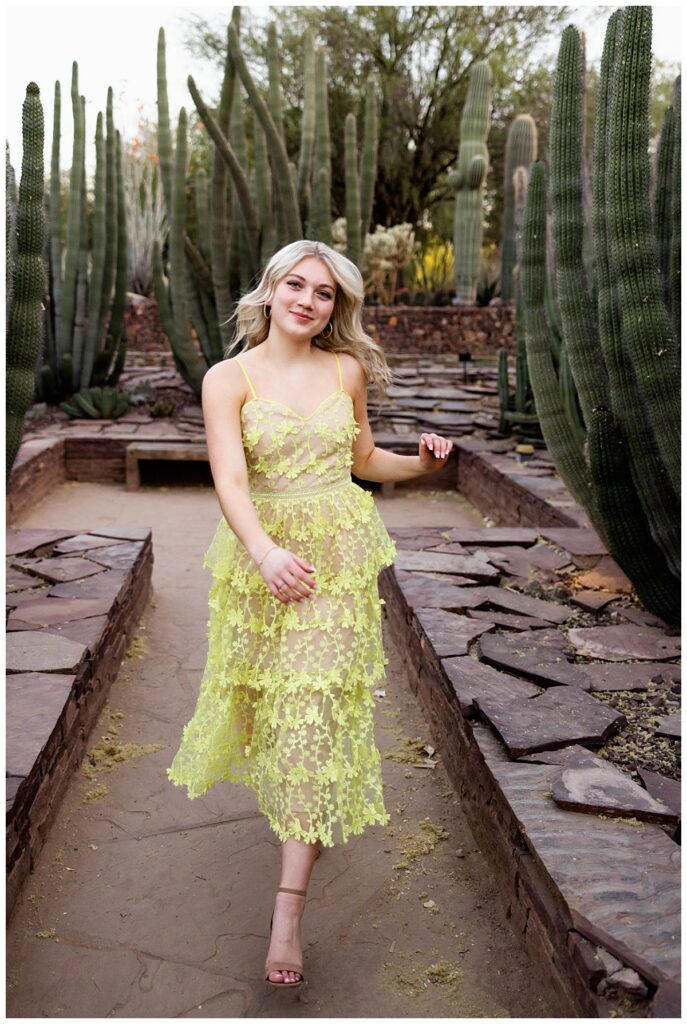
(164, 130)
(322, 171)
(283, 179)
(25, 334)
(263, 192)
(561, 440)
(65, 319)
(352, 192)
(117, 318)
(189, 361)
(663, 196)
(578, 316)
(469, 182)
(274, 94)
(307, 124)
(55, 213)
(675, 304)
(247, 207)
(521, 151)
(368, 166)
(111, 225)
(220, 218)
(646, 327)
(85, 360)
(66, 370)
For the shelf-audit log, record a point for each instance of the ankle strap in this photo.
(298, 892)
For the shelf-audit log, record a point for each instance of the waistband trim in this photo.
(294, 495)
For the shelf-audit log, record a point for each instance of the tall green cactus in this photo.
(468, 182)
(521, 151)
(25, 328)
(321, 217)
(86, 340)
(618, 360)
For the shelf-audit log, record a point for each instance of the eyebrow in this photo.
(323, 285)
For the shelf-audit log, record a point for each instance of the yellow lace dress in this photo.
(286, 700)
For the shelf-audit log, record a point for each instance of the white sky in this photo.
(116, 46)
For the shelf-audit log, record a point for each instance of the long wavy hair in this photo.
(346, 319)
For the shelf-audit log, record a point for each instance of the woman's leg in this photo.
(296, 866)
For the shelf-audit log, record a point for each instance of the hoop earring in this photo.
(330, 325)
(264, 309)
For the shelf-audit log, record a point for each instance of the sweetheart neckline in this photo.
(273, 401)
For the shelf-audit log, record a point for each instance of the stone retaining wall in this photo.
(479, 330)
(60, 668)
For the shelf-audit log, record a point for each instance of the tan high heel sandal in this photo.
(282, 965)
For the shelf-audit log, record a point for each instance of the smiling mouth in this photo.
(301, 316)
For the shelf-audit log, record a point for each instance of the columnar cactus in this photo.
(321, 216)
(521, 151)
(86, 340)
(468, 182)
(616, 340)
(25, 328)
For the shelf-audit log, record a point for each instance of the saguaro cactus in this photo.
(25, 329)
(621, 351)
(468, 182)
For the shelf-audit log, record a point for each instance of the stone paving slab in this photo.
(59, 570)
(519, 623)
(663, 788)
(419, 591)
(539, 656)
(17, 542)
(431, 561)
(449, 634)
(631, 676)
(558, 717)
(82, 542)
(514, 601)
(593, 600)
(16, 581)
(590, 784)
(50, 610)
(31, 651)
(575, 540)
(670, 725)
(621, 883)
(620, 643)
(472, 679)
(607, 575)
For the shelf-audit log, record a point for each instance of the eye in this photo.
(326, 295)
(295, 284)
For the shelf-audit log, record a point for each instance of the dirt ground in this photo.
(147, 904)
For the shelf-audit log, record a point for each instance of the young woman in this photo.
(295, 651)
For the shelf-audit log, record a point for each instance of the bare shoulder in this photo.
(224, 380)
(352, 372)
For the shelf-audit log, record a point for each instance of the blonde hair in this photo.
(347, 328)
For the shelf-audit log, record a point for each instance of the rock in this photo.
(590, 784)
(629, 981)
(610, 963)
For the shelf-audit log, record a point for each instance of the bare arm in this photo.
(375, 464)
(223, 394)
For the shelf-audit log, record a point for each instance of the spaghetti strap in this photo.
(245, 374)
(338, 364)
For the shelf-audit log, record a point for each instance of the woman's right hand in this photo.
(288, 577)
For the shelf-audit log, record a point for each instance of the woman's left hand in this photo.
(434, 451)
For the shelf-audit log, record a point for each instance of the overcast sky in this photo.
(117, 46)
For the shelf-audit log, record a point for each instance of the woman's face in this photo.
(303, 300)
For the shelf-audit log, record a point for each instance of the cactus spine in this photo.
(618, 361)
(468, 181)
(25, 328)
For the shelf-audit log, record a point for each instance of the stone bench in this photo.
(155, 451)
